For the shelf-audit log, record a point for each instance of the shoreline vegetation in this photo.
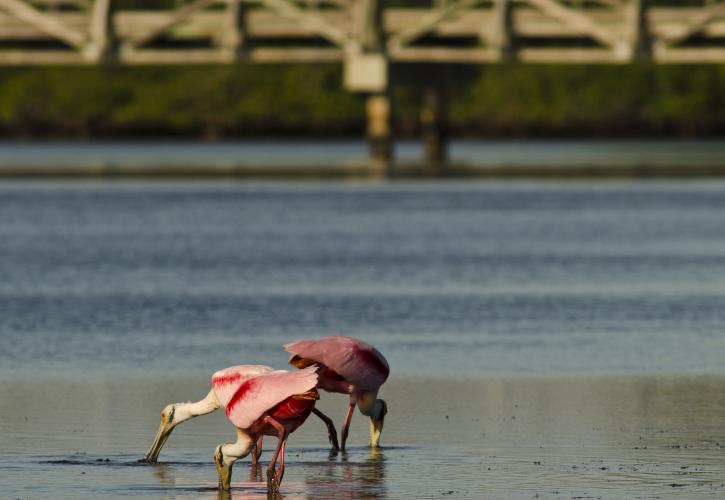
(228, 102)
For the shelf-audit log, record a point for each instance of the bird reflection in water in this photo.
(255, 473)
(162, 472)
(351, 479)
(342, 475)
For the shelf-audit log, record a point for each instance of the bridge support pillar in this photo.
(380, 132)
(433, 127)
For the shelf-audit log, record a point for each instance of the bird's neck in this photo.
(366, 402)
(185, 411)
(234, 451)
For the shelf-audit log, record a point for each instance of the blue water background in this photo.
(454, 278)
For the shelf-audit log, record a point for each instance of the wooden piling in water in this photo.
(380, 132)
(433, 128)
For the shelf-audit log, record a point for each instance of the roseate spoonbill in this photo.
(273, 404)
(224, 384)
(348, 366)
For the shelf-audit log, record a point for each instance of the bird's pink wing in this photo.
(227, 381)
(358, 362)
(259, 394)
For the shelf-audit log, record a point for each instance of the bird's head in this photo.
(377, 420)
(226, 454)
(168, 422)
(168, 414)
(223, 468)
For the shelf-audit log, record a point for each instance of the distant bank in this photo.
(559, 159)
(232, 102)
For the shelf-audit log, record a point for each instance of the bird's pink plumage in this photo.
(356, 361)
(258, 394)
(227, 381)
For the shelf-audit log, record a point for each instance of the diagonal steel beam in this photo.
(697, 23)
(576, 20)
(499, 33)
(313, 22)
(44, 22)
(428, 23)
(637, 38)
(100, 31)
(172, 21)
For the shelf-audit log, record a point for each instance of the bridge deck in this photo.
(285, 31)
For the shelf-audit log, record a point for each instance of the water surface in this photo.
(593, 437)
(546, 341)
(446, 279)
(335, 154)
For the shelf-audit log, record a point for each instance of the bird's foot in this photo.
(332, 436)
(343, 437)
(272, 481)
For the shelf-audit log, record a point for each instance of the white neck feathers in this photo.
(185, 411)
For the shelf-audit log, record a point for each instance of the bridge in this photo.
(371, 38)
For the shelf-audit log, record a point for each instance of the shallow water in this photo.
(535, 333)
(592, 437)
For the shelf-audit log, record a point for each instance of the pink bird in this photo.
(224, 384)
(348, 366)
(258, 401)
(273, 404)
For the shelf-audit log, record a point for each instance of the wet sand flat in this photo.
(586, 437)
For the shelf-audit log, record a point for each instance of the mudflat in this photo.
(633, 436)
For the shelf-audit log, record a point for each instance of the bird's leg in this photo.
(255, 472)
(280, 471)
(273, 480)
(331, 431)
(257, 451)
(346, 424)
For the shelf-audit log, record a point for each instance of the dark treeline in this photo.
(237, 101)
